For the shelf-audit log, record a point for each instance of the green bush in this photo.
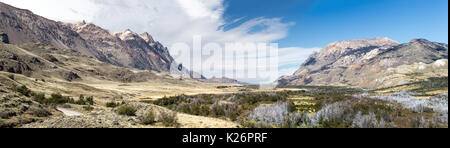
(85, 101)
(169, 118)
(168, 101)
(90, 100)
(112, 104)
(11, 77)
(127, 110)
(39, 97)
(88, 108)
(39, 112)
(148, 117)
(58, 99)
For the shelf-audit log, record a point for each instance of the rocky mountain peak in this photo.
(370, 63)
(427, 45)
(147, 37)
(127, 35)
(350, 45)
(420, 40)
(349, 51)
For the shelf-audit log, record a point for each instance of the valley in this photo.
(79, 75)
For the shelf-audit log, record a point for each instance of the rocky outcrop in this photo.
(16, 109)
(4, 38)
(370, 63)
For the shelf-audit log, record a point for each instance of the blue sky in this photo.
(319, 22)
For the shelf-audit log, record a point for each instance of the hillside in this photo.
(125, 48)
(372, 63)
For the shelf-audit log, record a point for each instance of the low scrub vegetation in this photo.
(85, 100)
(169, 119)
(54, 99)
(437, 103)
(148, 118)
(127, 110)
(318, 107)
(228, 106)
(112, 104)
(39, 112)
(88, 108)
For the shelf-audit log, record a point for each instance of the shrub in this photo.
(39, 97)
(90, 100)
(39, 112)
(88, 108)
(24, 91)
(80, 100)
(229, 110)
(222, 87)
(11, 77)
(148, 117)
(127, 110)
(58, 99)
(112, 104)
(167, 101)
(85, 101)
(169, 118)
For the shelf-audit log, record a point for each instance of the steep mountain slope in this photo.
(372, 63)
(22, 26)
(126, 49)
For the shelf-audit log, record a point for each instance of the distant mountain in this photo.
(222, 80)
(372, 63)
(126, 48)
(22, 26)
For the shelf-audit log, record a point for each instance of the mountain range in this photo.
(371, 63)
(125, 48)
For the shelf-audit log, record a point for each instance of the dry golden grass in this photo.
(301, 98)
(399, 88)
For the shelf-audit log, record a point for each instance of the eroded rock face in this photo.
(70, 76)
(365, 63)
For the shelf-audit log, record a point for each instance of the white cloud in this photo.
(170, 22)
(291, 58)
